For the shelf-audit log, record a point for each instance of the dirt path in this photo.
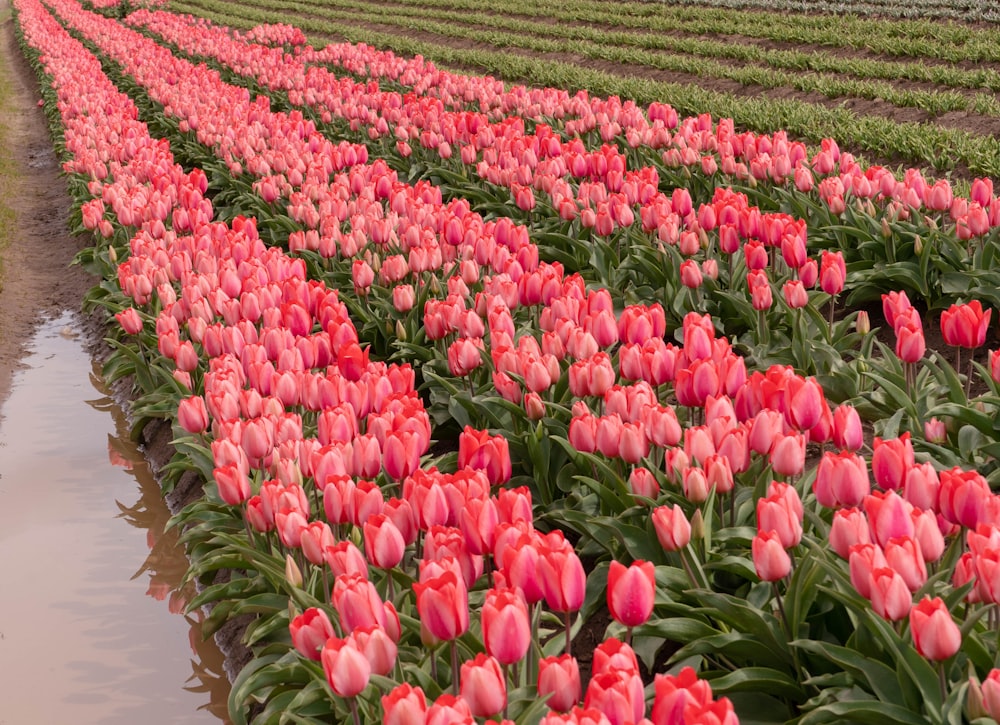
(37, 279)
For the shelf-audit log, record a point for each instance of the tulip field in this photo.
(593, 400)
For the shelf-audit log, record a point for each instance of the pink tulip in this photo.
(404, 705)
(934, 632)
(631, 592)
(483, 686)
(346, 667)
(506, 629)
(769, 557)
(310, 631)
(559, 680)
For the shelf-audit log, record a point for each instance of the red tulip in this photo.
(964, 497)
(965, 325)
(404, 705)
(631, 592)
(479, 450)
(559, 680)
(935, 634)
(443, 605)
(483, 686)
(346, 667)
(910, 344)
(769, 557)
(310, 631)
(613, 654)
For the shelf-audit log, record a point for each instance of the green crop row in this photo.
(912, 38)
(610, 29)
(968, 11)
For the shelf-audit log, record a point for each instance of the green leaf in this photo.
(758, 679)
(880, 679)
(871, 712)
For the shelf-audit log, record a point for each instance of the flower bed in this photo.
(307, 387)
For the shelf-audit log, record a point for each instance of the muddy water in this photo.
(92, 628)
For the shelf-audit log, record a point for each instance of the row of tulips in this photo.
(690, 232)
(789, 465)
(258, 444)
(882, 206)
(776, 229)
(468, 104)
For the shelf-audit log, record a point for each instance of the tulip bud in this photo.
(975, 706)
(863, 324)
(886, 229)
(293, 575)
(400, 330)
(918, 245)
(697, 525)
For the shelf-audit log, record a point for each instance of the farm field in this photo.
(662, 388)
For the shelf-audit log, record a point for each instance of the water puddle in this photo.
(92, 628)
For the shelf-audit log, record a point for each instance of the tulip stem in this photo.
(454, 667)
(569, 639)
(943, 680)
(763, 334)
(781, 610)
(968, 378)
(434, 665)
(354, 711)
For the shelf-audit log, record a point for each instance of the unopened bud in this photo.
(401, 330)
(886, 229)
(930, 223)
(975, 705)
(435, 285)
(862, 324)
(534, 407)
(697, 525)
(293, 575)
(112, 254)
(918, 245)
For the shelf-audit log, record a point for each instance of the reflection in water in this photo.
(87, 633)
